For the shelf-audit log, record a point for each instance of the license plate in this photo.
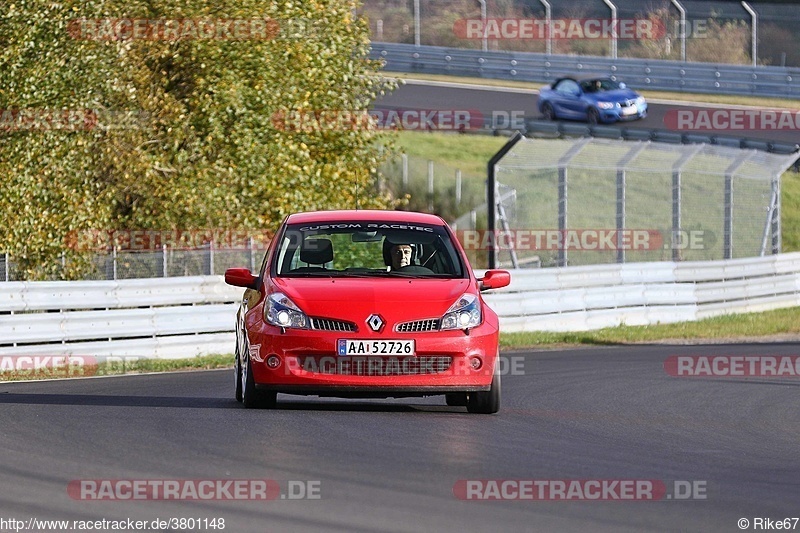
(629, 110)
(374, 347)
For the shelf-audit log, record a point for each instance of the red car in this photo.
(367, 304)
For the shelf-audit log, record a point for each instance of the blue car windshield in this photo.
(596, 86)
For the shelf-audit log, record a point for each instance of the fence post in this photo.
(458, 186)
(430, 186)
(776, 217)
(622, 185)
(404, 159)
(416, 23)
(620, 214)
(211, 257)
(164, 260)
(563, 197)
(613, 28)
(753, 32)
(251, 251)
(114, 266)
(676, 214)
(6, 267)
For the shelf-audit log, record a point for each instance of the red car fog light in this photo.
(476, 363)
(273, 361)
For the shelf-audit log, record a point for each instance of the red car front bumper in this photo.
(308, 363)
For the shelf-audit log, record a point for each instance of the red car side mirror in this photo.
(240, 277)
(495, 279)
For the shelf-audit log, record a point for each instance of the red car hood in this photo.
(355, 299)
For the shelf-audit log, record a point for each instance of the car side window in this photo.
(568, 88)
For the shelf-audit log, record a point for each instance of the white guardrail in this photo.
(599, 296)
(189, 316)
(160, 317)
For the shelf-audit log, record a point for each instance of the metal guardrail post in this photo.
(753, 31)
(416, 23)
(683, 28)
(613, 28)
(484, 44)
(548, 19)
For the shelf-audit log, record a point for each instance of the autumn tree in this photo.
(101, 128)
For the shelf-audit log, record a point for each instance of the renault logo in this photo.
(375, 322)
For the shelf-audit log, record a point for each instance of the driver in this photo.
(401, 255)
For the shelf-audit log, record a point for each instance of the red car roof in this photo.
(366, 215)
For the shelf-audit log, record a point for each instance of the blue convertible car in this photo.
(595, 100)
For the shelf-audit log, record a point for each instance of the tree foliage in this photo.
(181, 133)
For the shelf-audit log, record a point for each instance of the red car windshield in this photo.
(367, 249)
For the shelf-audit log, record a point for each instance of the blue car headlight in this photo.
(464, 314)
(606, 105)
(640, 101)
(280, 310)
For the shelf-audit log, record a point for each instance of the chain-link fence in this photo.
(589, 201)
(165, 262)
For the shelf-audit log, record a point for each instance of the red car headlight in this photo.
(464, 314)
(280, 310)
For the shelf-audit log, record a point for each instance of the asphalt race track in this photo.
(605, 413)
(432, 96)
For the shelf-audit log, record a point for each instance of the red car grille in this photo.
(429, 324)
(329, 324)
(376, 366)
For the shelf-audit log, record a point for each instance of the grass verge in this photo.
(727, 328)
(116, 366)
